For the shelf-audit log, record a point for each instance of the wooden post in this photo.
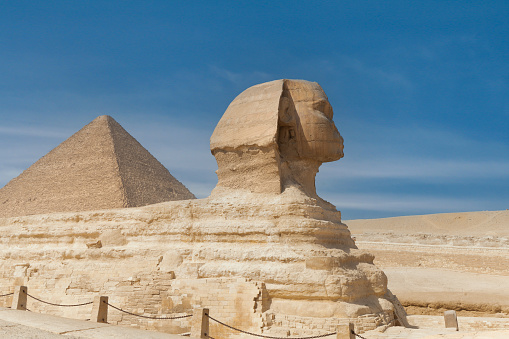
(451, 320)
(345, 331)
(204, 332)
(100, 309)
(19, 299)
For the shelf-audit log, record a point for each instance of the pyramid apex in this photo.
(104, 118)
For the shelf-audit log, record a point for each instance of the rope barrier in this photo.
(181, 317)
(267, 336)
(62, 305)
(357, 335)
(146, 316)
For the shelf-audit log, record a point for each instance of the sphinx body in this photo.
(270, 247)
(269, 145)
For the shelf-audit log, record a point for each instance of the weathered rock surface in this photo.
(99, 167)
(263, 252)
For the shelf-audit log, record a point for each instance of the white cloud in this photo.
(417, 153)
(381, 75)
(238, 78)
(415, 168)
(25, 131)
(401, 204)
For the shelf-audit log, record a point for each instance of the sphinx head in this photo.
(305, 126)
(275, 135)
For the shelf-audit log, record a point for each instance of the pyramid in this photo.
(99, 167)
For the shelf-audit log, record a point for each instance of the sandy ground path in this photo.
(405, 333)
(441, 286)
(17, 331)
(432, 327)
(28, 325)
(16, 324)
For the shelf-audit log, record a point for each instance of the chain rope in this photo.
(181, 317)
(358, 335)
(61, 305)
(146, 316)
(268, 336)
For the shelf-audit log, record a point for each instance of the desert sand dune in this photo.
(453, 260)
(482, 223)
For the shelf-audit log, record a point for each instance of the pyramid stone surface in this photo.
(99, 167)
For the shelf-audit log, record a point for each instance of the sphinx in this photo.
(269, 145)
(263, 252)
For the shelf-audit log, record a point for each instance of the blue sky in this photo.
(420, 89)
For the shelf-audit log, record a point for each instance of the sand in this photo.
(442, 261)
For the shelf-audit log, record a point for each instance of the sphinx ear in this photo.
(286, 116)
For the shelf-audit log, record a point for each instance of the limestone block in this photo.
(19, 298)
(100, 309)
(112, 238)
(450, 319)
(94, 244)
(319, 263)
(20, 270)
(170, 261)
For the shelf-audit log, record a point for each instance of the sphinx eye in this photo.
(319, 105)
(324, 107)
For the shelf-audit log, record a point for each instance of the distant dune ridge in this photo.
(494, 223)
(99, 167)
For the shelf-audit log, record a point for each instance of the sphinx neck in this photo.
(300, 173)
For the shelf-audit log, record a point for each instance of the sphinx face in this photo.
(317, 137)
